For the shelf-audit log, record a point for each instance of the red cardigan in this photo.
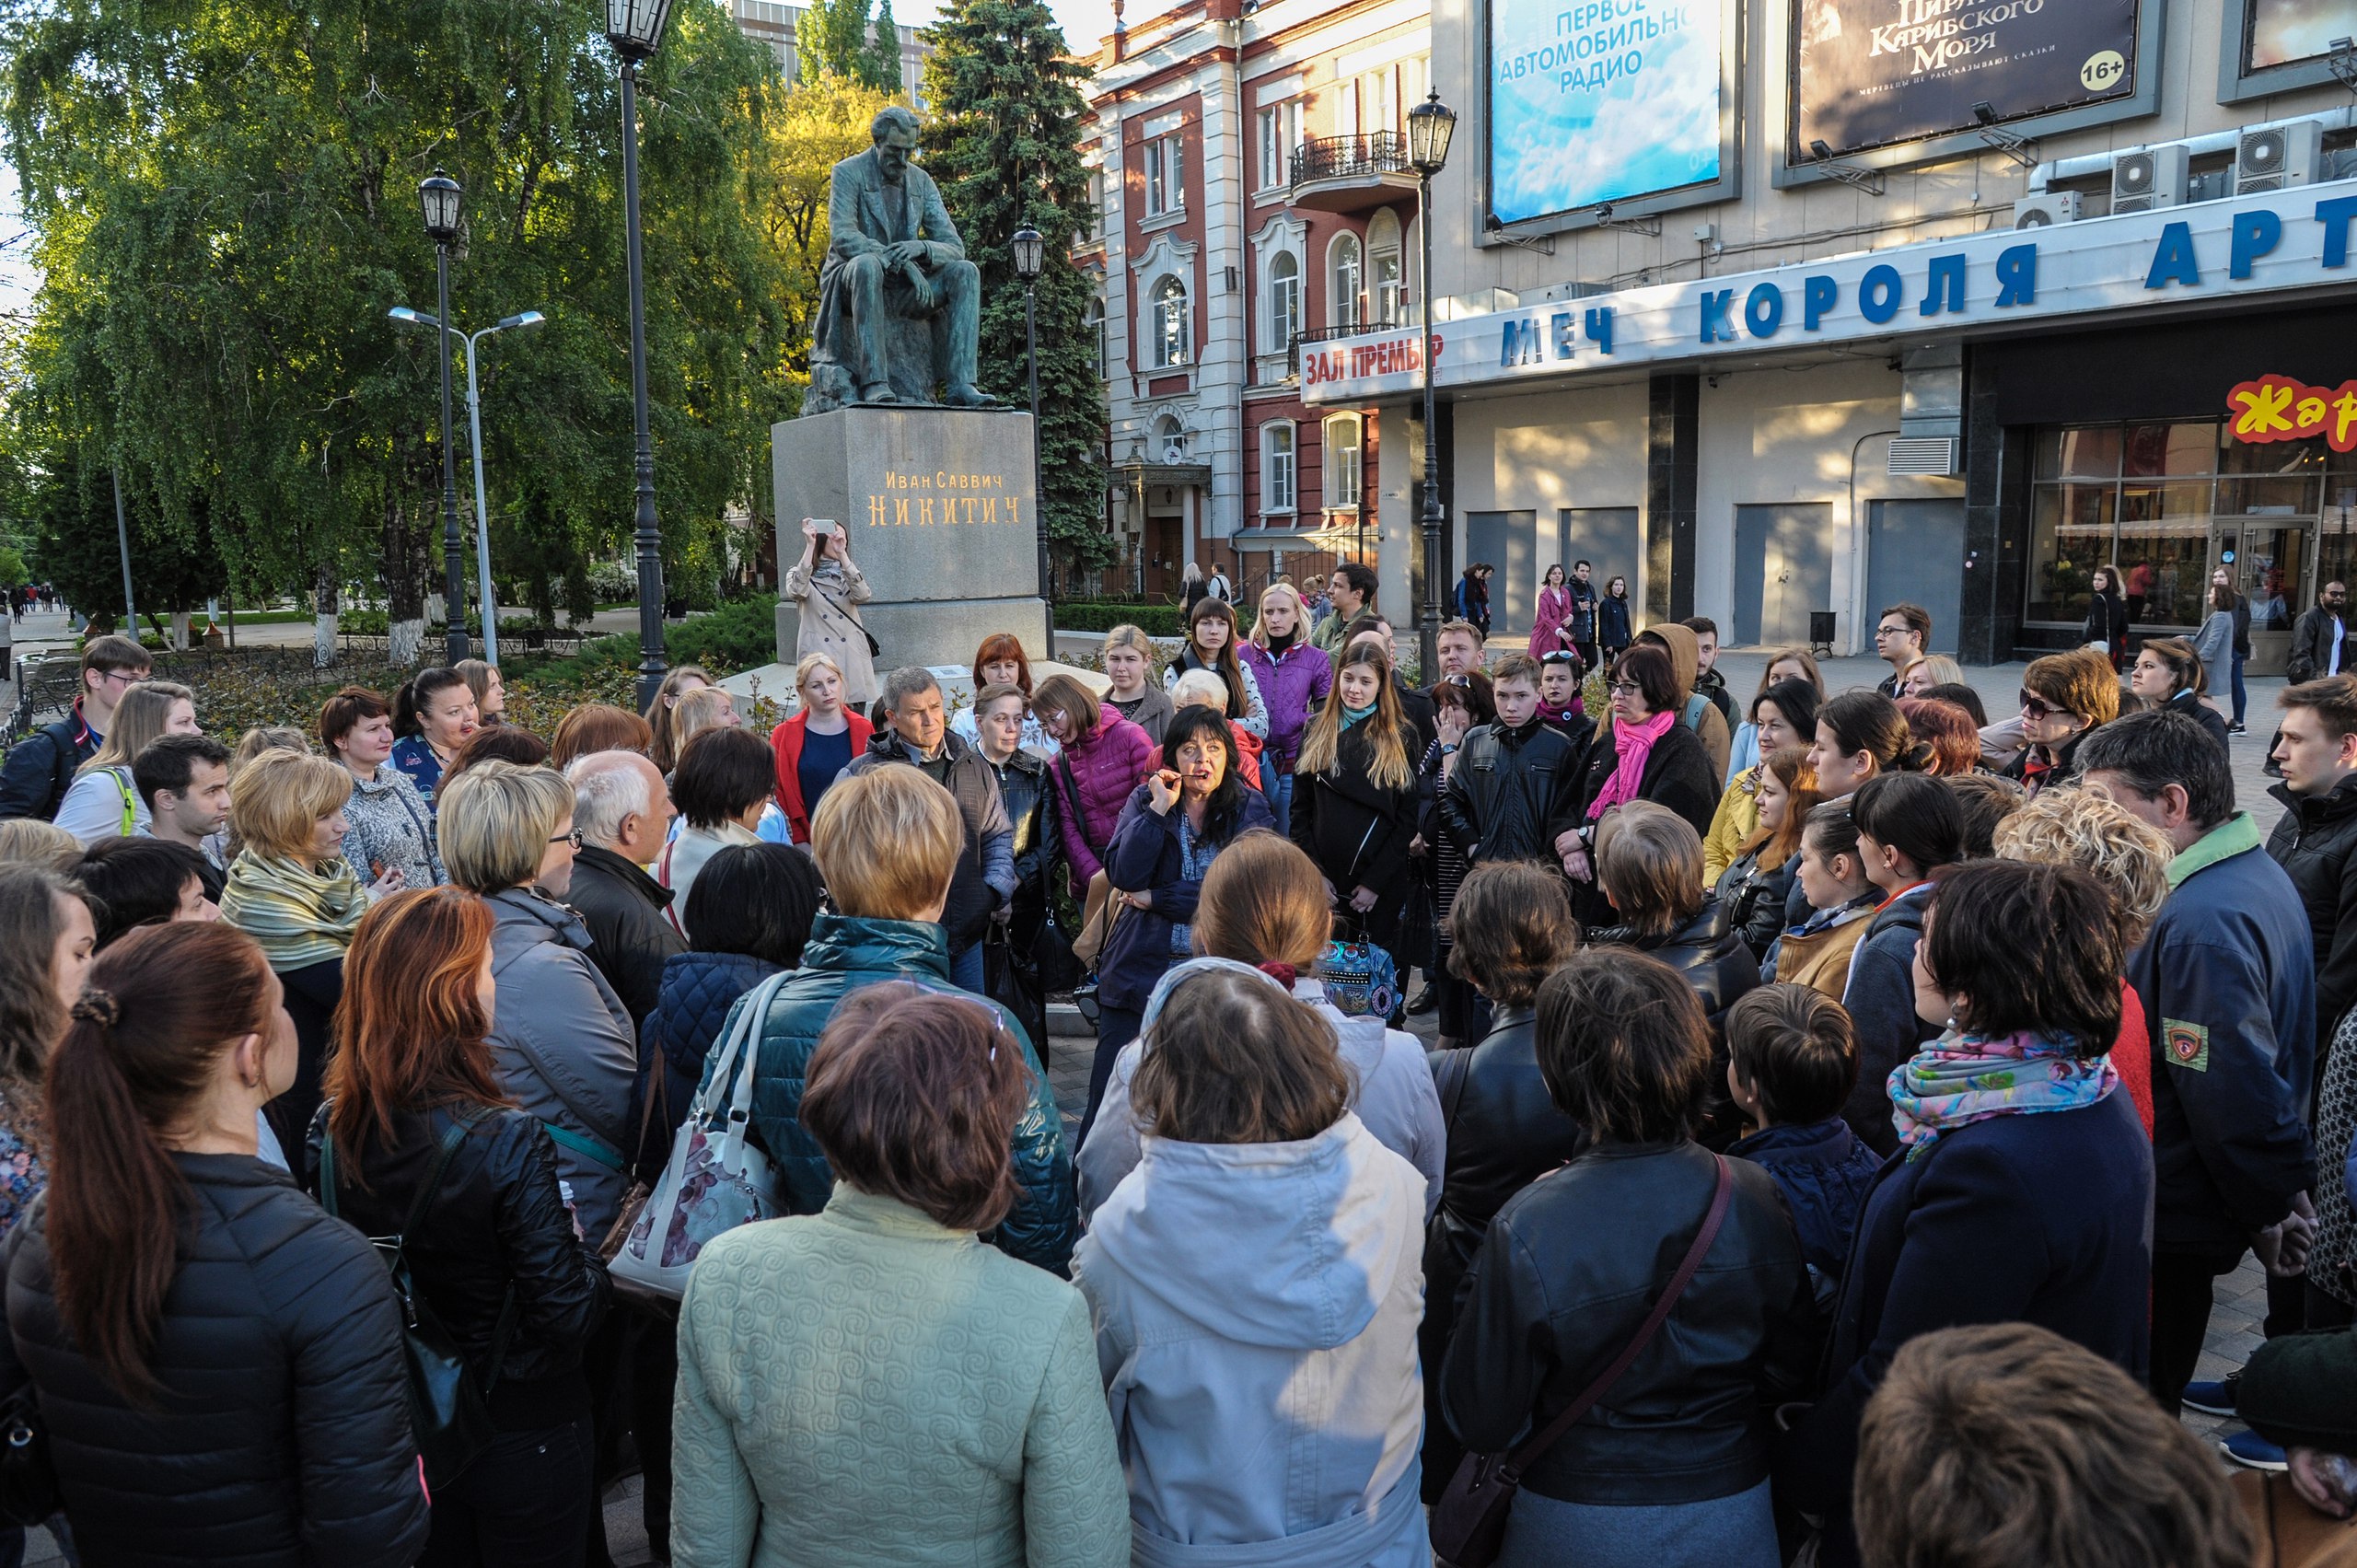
(785, 742)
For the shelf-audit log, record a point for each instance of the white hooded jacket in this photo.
(1256, 1308)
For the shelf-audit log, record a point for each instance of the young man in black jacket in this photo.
(1708, 682)
(1517, 784)
(40, 768)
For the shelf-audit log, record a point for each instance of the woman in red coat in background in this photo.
(816, 743)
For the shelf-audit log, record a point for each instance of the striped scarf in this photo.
(300, 916)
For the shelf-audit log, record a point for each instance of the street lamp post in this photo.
(635, 28)
(1031, 253)
(484, 589)
(438, 195)
(1430, 125)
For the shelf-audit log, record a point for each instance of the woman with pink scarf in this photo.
(1643, 754)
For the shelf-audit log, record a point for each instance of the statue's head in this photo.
(894, 131)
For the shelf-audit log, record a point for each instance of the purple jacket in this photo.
(1290, 683)
(1106, 765)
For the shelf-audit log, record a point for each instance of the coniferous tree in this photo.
(1004, 146)
(832, 39)
(884, 55)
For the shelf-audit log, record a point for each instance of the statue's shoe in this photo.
(879, 393)
(966, 397)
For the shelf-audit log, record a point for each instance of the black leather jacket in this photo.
(1711, 953)
(283, 1440)
(2316, 843)
(1568, 1272)
(629, 940)
(1511, 793)
(498, 1220)
(1755, 900)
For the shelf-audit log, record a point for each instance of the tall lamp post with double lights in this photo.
(635, 28)
(1430, 125)
(438, 195)
(1030, 255)
(484, 587)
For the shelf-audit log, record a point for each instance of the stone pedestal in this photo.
(938, 507)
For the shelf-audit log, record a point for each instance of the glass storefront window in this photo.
(2164, 502)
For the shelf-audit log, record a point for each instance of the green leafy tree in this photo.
(1004, 146)
(807, 130)
(832, 38)
(223, 196)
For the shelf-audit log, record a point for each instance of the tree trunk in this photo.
(403, 639)
(323, 612)
(179, 630)
(403, 563)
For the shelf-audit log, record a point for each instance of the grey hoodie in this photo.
(1265, 1387)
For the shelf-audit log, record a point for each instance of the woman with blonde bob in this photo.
(1263, 904)
(1293, 1341)
(561, 1040)
(1356, 795)
(2088, 829)
(886, 841)
(101, 803)
(815, 742)
(291, 889)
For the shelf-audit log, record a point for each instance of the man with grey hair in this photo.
(623, 812)
(917, 734)
(893, 257)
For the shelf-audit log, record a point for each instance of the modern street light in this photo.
(484, 588)
(635, 28)
(438, 195)
(1430, 125)
(1030, 254)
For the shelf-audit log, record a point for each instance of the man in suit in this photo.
(894, 253)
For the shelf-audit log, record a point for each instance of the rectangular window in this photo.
(1280, 126)
(1340, 464)
(1166, 177)
(1276, 467)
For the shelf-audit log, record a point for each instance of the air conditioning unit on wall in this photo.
(2149, 178)
(2275, 158)
(2042, 211)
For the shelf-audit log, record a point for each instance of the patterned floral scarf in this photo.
(1961, 1078)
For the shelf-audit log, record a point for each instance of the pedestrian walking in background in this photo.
(982, 1430)
(2106, 629)
(1550, 620)
(1612, 630)
(2240, 608)
(1473, 596)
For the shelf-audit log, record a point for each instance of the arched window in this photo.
(1096, 331)
(1276, 466)
(1387, 275)
(1284, 302)
(1169, 324)
(1340, 461)
(1348, 270)
(1169, 439)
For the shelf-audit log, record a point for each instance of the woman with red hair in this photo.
(999, 662)
(417, 1139)
(1947, 730)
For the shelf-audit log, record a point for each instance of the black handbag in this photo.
(1468, 1523)
(28, 1490)
(450, 1407)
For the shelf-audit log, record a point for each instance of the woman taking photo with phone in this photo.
(830, 590)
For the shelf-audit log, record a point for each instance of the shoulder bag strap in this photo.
(1522, 1458)
(1449, 1077)
(1072, 790)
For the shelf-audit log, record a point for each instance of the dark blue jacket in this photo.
(2227, 977)
(2041, 1218)
(1824, 1172)
(40, 769)
(690, 1008)
(1144, 858)
(1881, 1004)
(1612, 622)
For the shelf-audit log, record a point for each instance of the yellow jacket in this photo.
(1737, 819)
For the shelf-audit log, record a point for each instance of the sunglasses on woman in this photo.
(2036, 707)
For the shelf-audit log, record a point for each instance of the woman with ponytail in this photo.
(218, 1364)
(433, 716)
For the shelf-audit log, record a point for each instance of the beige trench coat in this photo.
(830, 626)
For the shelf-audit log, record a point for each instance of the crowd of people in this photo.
(1844, 1110)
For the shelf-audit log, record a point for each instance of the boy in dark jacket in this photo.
(1790, 1065)
(1517, 785)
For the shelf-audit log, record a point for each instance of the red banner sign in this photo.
(2277, 408)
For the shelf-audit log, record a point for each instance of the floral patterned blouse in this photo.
(23, 1176)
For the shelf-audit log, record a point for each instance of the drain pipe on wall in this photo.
(1858, 529)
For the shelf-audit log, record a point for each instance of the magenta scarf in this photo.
(1635, 744)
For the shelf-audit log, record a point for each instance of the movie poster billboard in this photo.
(1875, 72)
(2284, 30)
(1601, 101)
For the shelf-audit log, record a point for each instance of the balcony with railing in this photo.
(1350, 174)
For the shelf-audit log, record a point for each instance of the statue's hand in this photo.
(906, 250)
